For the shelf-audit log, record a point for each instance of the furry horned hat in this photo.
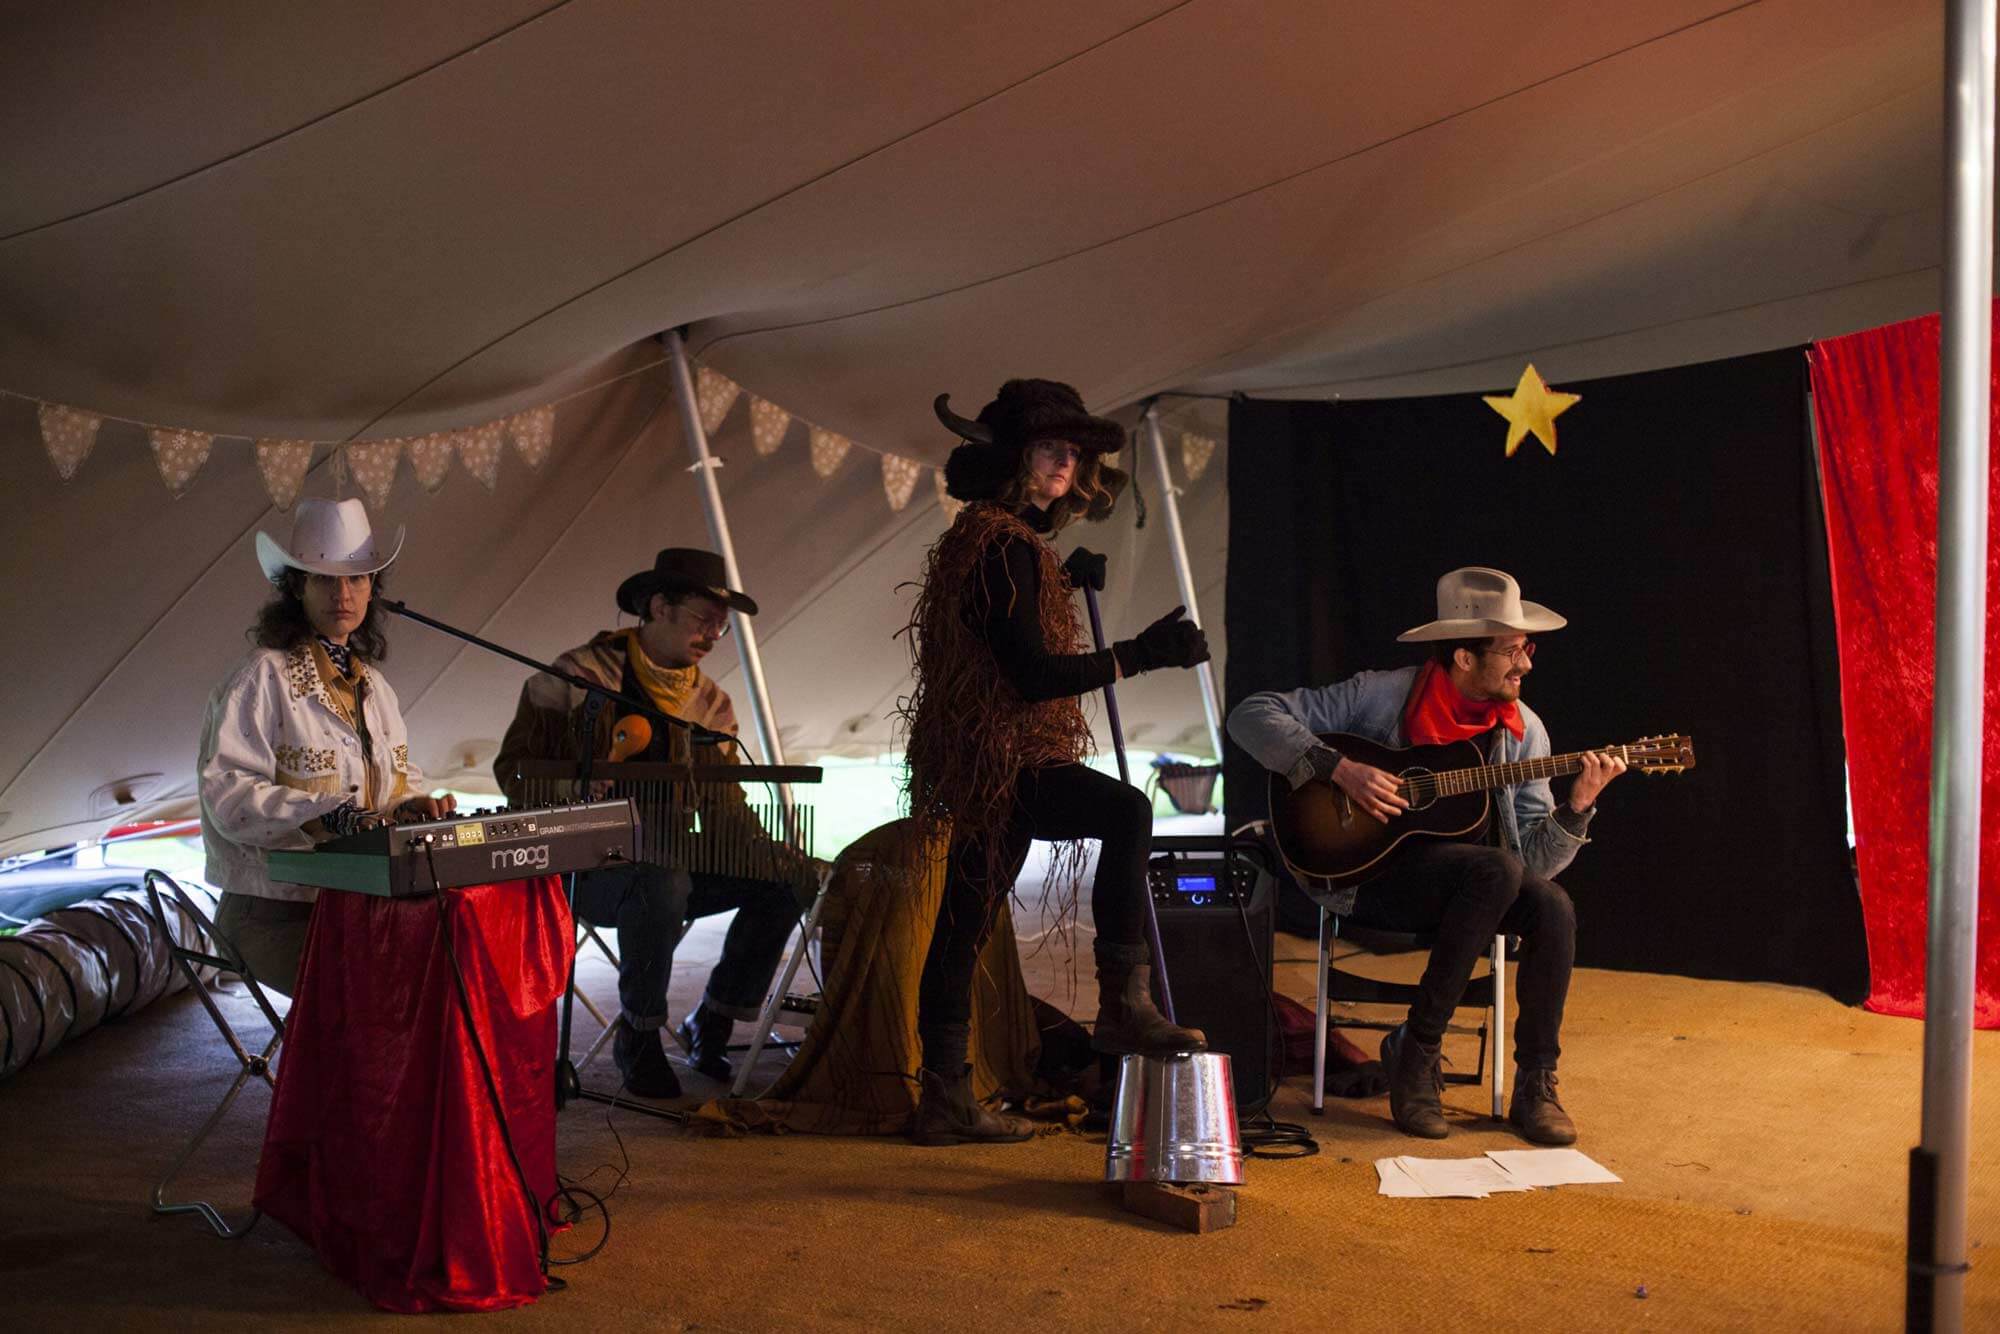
(1023, 412)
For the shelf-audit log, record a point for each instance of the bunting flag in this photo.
(180, 455)
(714, 395)
(283, 464)
(899, 479)
(768, 424)
(373, 463)
(68, 434)
(430, 458)
(479, 450)
(1196, 451)
(946, 501)
(533, 432)
(828, 449)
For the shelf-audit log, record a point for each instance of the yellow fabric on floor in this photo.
(855, 1073)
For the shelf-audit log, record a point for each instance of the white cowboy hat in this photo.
(327, 538)
(1474, 602)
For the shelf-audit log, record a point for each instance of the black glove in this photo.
(1171, 641)
(1085, 569)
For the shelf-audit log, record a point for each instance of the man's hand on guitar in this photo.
(1373, 790)
(1599, 768)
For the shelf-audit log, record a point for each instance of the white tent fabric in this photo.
(367, 219)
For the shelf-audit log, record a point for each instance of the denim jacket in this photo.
(1279, 728)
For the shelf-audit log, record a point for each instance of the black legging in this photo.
(1066, 801)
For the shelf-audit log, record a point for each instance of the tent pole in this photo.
(1938, 1167)
(1210, 705)
(718, 529)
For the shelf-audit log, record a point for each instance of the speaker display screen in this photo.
(1195, 884)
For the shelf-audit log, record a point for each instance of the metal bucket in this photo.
(1174, 1119)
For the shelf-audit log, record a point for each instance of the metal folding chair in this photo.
(780, 997)
(585, 931)
(1487, 992)
(250, 1065)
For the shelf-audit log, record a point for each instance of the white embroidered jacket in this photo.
(277, 752)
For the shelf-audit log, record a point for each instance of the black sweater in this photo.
(1011, 574)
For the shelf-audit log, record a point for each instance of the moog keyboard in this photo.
(403, 860)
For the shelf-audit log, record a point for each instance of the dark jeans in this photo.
(267, 934)
(648, 904)
(1467, 894)
(1066, 801)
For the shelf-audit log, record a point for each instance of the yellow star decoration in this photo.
(1533, 406)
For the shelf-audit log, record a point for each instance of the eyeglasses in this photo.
(715, 625)
(1518, 655)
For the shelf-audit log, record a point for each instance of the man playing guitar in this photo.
(1464, 892)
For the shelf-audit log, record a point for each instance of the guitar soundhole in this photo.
(1420, 787)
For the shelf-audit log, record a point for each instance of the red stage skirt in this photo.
(383, 1151)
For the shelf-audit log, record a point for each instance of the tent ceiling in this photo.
(386, 218)
(366, 218)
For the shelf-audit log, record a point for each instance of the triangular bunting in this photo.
(899, 479)
(430, 457)
(533, 432)
(479, 450)
(373, 463)
(180, 455)
(68, 434)
(768, 424)
(714, 394)
(1196, 451)
(950, 505)
(828, 449)
(283, 464)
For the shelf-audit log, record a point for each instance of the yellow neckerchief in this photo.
(670, 688)
(344, 693)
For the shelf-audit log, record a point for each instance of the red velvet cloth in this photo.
(1438, 713)
(383, 1151)
(1876, 398)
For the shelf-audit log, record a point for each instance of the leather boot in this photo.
(1535, 1112)
(1416, 1085)
(1127, 1019)
(643, 1061)
(705, 1034)
(947, 1113)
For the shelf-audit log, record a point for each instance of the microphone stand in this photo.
(569, 1085)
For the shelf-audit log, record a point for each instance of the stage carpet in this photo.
(1761, 1131)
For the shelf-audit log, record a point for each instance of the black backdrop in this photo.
(1679, 529)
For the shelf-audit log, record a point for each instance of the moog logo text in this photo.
(537, 857)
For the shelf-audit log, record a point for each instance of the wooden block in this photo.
(1190, 1208)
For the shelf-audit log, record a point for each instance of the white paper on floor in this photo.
(1499, 1171)
(1552, 1167)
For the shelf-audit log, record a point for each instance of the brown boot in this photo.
(1416, 1085)
(1535, 1112)
(947, 1113)
(1127, 1019)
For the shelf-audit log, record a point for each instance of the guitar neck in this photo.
(1486, 776)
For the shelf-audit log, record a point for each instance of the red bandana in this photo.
(1437, 712)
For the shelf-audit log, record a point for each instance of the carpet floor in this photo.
(1761, 1132)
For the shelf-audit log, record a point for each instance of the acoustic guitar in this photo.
(1324, 836)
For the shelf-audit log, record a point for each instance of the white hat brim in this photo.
(1535, 618)
(274, 559)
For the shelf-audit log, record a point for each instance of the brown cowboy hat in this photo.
(682, 570)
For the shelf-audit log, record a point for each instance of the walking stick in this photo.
(1166, 994)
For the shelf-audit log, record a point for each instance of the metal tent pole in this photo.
(718, 528)
(1938, 1166)
(1211, 704)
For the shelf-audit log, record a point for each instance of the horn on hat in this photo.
(964, 427)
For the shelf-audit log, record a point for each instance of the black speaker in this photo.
(1217, 907)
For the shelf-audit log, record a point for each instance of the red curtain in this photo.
(1876, 399)
(383, 1151)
